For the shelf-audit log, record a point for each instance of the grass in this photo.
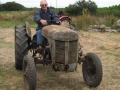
(10, 79)
(117, 58)
(10, 12)
(55, 80)
(13, 18)
(113, 54)
(5, 44)
(102, 48)
(11, 24)
(10, 19)
(115, 77)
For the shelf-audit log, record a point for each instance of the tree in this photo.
(71, 10)
(12, 6)
(81, 5)
(1, 7)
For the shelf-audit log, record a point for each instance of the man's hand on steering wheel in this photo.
(44, 22)
(58, 22)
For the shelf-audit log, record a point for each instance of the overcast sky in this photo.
(62, 3)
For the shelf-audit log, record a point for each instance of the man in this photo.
(42, 17)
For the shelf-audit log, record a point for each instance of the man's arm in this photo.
(37, 17)
(54, 16)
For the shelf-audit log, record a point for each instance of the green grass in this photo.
(10, 79)
(11, 24)
(113, 54)
(102, 48)
(10, 12)
(117, 58)
(115, 77)
(12, 18)
(4, 44)
(116, 55)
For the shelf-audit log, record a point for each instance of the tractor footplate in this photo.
(39, 50)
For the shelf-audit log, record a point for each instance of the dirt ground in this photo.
(105, 45)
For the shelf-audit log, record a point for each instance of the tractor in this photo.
(61, 51)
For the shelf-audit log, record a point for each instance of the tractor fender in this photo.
(65, 17)
(28, 29)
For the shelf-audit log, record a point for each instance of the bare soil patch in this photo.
(105, 45)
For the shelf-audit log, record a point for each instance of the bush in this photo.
(113, 10)
(84, 21)
(79, 6)
(11, 6)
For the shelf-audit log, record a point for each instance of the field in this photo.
(105, 45)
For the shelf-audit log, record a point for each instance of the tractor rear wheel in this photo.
(21, 45)
(92, 70)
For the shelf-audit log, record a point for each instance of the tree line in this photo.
(80, 7)
(112, 10)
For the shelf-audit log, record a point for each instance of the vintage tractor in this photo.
(61, 50)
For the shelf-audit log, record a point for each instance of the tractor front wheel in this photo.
(92, 70)
(29, 73)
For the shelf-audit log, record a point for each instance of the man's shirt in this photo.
(48, 15)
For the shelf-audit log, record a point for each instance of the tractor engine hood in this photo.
(58, 32)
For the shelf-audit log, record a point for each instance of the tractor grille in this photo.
(60, 53)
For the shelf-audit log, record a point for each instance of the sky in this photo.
(61, 3)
